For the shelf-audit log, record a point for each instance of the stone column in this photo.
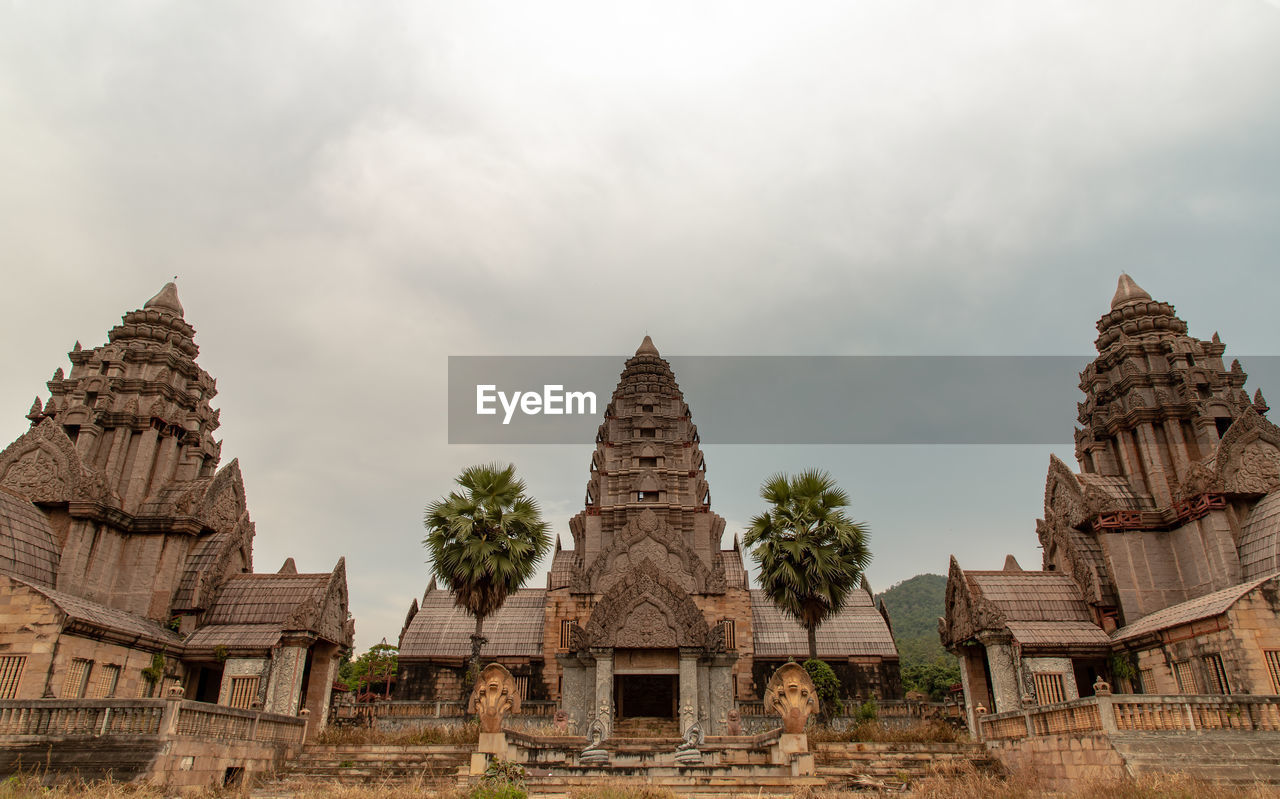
(1004, 677)
(604, 687)
(285, 683)
(721, 679)
(688, 688)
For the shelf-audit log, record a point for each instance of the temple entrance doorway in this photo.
(646, 695)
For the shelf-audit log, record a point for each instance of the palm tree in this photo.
(811, 554)
(485, 542)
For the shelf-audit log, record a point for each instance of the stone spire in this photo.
(166, 299)
(138, 406)
(1128, 291)
(647, 348)
(647, 469)
(1156, 399)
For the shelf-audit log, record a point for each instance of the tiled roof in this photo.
(265, 598)
(110, 620)
(443, 630)
(1259, 545)
(858, 629)
(1091, 552)
(1117, 488)
(562, 569)
(735, 574)
(203, 557)
(1202, 607)
(1031, 596)
(234, 636)
(1051, 633)
(27, 547)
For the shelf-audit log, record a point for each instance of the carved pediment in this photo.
(967, 613)
(647, 537)
(1248, 457)
(43, 466)
(647, 605)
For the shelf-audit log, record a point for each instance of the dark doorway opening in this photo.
(209, 684)
(648, 695)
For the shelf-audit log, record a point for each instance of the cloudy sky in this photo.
(351, 193)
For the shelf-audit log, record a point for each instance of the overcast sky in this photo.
(350, 193)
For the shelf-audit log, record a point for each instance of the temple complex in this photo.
(126, 553)
(646, 615)
(1161, 553)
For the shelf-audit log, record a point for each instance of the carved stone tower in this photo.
(122, 458)
(648, 481)
(1156, 399)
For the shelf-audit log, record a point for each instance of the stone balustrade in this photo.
(164, 718)
(1135, 713)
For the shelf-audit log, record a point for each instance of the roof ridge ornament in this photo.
(166, 299)
(647, 347)
(1128, 292)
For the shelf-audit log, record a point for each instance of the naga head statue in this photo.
(494, 697)
(792, 696)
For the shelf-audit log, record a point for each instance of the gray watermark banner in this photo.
(790, 399)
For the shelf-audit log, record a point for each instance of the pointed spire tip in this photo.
(646, 347)
(166, 299)
(1127, 291)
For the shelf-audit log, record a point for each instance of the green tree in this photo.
(373, 670)
(811, 554)
(485, 542)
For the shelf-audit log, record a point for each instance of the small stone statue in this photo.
(594, 754)
(687, 753)
(561, 721)
(734, 725)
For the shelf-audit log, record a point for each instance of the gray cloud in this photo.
(351, 194)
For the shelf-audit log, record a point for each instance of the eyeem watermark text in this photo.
(553, 401)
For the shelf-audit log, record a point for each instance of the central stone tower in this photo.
(644, 609)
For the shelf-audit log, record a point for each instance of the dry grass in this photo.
(460, 734)
(963, 783)
(920, 732)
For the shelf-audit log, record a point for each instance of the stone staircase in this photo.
(1237, 757)
(433, 765)
(731, 769)
(647, 727)
(839, 763)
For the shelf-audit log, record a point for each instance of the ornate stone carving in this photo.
(42, 465)
(646, 627)
(1248, 457)
(792, 696)
(646, 584)
(647, 535)
(494, 697)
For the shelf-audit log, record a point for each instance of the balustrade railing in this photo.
(93, 718)
(1136, 713)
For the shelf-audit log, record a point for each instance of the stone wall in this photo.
(1061, 760)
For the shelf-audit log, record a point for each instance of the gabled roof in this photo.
(442, 631)
(1031, 596)
(735, 574)
(562, 569)
(265, 598)
(857, 630)
(1202, 607)
(234, 637)
(28, 549)
(109, 623)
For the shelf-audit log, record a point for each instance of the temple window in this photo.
(647, 496)
(1215, 675)
(566, 635)
(77, 679)
(1146, 681)
(244, 690)
(108, 679)
(1273, 668)
(648, 432)
(10, 674)
(730, 634)
(1186, 680)
(651, 462)
(646, 408)
(1050, 688)
(1222, 423)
